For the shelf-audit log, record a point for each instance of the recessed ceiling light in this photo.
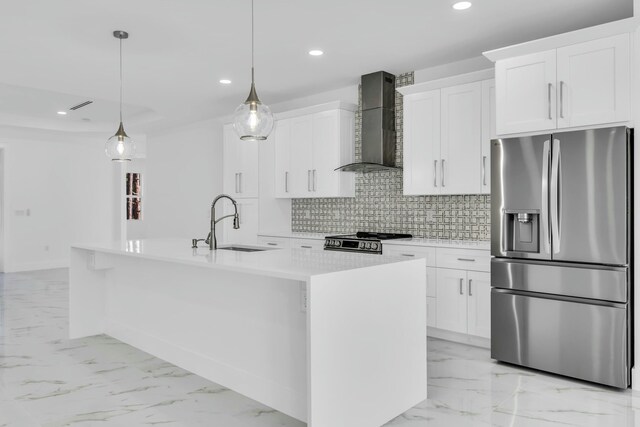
(62, 113)
(225, 81)
(316, 52)
(462, 5)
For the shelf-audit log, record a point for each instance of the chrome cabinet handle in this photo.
(306, 247)
(240, 182)
(407, 254)
(467, 259)
(549, 99)
(308, 179)
(470, 294)
(435, 169)
(237, 191)
(461, 291)
(442, 173)
(484, 170)
(286, 182)
(315, 181)
(561, 100)
(272, 244)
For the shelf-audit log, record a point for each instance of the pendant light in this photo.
(120, 147)
(253, 120)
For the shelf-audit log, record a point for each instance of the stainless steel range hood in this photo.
(378, 134)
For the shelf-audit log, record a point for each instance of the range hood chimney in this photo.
(378, 134)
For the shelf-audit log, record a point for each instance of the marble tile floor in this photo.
(51, 381)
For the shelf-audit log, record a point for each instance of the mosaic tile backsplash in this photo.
(379, 204)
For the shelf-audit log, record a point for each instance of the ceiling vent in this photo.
(82, 104)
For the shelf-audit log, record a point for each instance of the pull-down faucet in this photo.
(211, 239)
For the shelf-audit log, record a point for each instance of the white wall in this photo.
(183, 176)
(57, 189)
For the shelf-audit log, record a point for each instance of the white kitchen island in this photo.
(330, 338)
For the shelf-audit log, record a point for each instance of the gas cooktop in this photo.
(362, 241)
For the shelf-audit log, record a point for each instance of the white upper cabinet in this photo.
(488, 133)
(525, 93)
(594, 82)
(582, 84)
(282, 156)
(421, 151)
(241, 164)
(461, 138)
(444, 136)
(309, 148)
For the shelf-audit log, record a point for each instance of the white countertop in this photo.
(416, 241)
(294, 264)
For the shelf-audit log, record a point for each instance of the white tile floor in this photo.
(49, 380)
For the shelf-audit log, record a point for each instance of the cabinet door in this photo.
(301, 155)
(451, 301)
(594, 82)
(231, 168)
(431, 312)
(421, 149)
(325, 181)
(488, 133)
(248, 214)
(479, 303)
(461, 143)
(283, 159)
(526, 93)
(249, 178)
(431, 282)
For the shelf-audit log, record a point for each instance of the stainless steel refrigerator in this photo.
(561, 229)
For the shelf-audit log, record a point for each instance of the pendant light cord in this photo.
(252, 43)
(120, 80)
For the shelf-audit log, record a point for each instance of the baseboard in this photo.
(457, 337)
(288, 401)
(34, 266)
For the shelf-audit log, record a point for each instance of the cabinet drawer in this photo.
(411, 252)
(463, 259)
(307, 244)
(431, 312)
(278, 242)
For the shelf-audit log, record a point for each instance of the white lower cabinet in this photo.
(451, 313)
(479, 304)
(463, 302)
(307, 244)
(431, 312)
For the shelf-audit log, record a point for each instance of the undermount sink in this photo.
(243, 248)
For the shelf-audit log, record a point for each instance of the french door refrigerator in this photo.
(561, 244)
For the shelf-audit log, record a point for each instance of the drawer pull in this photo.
(407, 254)
(470, 294)
(467, 259)
(461, 291)
(306, 247)
(272, 244)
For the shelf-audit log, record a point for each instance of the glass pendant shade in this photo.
(120, 147)
(253, 120)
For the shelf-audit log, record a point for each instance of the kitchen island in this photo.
(330, 338)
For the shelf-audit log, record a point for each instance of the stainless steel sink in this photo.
(243, 248)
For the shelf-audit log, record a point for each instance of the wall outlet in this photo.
(303, 297)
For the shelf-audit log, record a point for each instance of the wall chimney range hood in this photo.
(378, 133)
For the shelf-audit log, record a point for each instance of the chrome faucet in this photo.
(211, 239)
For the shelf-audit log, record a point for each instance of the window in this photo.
(134, 196)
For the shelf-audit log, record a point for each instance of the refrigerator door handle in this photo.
(546, 160)
(555, 196)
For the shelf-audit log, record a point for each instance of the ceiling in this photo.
(55, 53)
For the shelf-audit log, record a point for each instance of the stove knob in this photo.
(374, 246)
(368, 245)
(361, 245)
